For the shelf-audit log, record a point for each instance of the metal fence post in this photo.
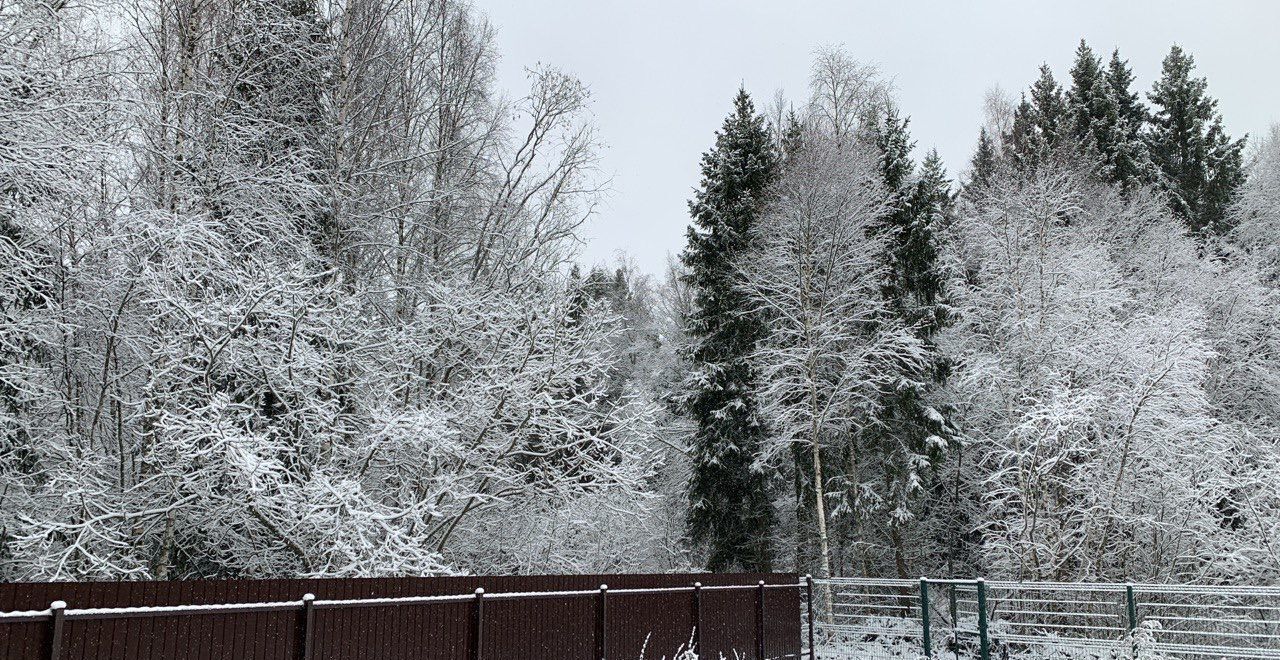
(1131, 612)
(951, 595)
(697, 618)
(984, 644)
(760, 621)
(57, 611)
(808, 594)
(308, 615)
(477, 626)
(602, 623)
(925, 635)
(1130, 607)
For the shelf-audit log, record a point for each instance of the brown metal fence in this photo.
(514, 618)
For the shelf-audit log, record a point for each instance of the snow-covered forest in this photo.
(293, 288)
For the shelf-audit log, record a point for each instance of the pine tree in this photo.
(922, 274)
(730, 512)
(1200, 165)
(1130, 161)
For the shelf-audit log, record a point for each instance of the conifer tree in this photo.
(1039, 123)
(1106, 118)
(908, 429)
(1084, 98)
(1200, 165)
(985, 159)
(1128, 104)
(730, 512)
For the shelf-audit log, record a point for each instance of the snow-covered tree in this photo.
(730, 511)
(306, 315)
(1106, 120)
(1091, 336)
(1256, 210)
(1200, 165)
(832, 344)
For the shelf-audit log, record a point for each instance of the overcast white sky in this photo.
(663, 72)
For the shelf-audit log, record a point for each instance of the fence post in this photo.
(984, 644)
(477, 626)
(808, 594)
(760, 621)
(57, 611)
(308, 614)
(1130, 607)
(602, 625)
(697, 618)
(1131, 612)
(925, 635)
(951, 595)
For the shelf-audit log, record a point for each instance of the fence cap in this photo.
(762, 583)
(479, 590)
(58, 605)
(697, 585)
(307, 598)
(604, 587)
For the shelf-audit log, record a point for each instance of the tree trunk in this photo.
(820, 511)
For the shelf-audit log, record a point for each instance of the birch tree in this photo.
(816, 276)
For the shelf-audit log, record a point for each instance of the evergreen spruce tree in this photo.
(730, 513)
(922, 274)
(984, 162)
(1200, 165)
(1131, 164)
(1128, 104)
(907, 426)
(1086, 100)
(1106, 119)
(1039, 123)
(792, 136)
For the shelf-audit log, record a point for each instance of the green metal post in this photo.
(925, 636)
(951, 595)
(1130, 607)
(1131, 610)
(984, 643)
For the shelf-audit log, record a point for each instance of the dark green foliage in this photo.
(1105, 119)
(986, 158)
(280, 57)
(918, 261)
(1040, 123)
(730, 513)
(1200, 165)
(792, 135)
(907, 427)
(1120, 80)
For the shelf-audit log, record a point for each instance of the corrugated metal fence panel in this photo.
(549, 628)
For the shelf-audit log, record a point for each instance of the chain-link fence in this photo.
(986, 620)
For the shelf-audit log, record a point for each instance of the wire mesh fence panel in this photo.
(1054, 620)
(868, 618)
(1210, 621)
(998, 620)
